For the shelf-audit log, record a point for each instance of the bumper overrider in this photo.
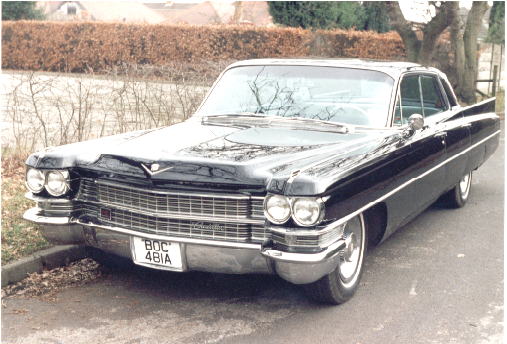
(196, 254)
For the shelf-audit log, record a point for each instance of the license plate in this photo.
(157, 252)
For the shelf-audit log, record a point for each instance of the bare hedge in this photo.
(98, 46)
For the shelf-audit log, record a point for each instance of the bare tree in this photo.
(465, 50)
(446, 14)
(422, 50)
(238, 12)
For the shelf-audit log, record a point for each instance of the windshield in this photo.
(343, 95)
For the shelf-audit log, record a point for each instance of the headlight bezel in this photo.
(269, 216)
(64, 174)
(43, 178)
(321, 208)
(63, 189)
(292, 214)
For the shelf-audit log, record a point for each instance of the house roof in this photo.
(113, 10)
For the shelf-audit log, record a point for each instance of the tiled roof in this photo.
(116, 11)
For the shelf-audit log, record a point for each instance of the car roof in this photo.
(394, 68)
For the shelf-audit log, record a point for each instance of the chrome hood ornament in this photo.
(155, 168)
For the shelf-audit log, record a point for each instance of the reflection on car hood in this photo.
(192, 152)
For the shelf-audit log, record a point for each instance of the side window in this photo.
(410, 98)
(448, 93)
(432, 100)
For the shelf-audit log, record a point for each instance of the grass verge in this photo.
(19, 237)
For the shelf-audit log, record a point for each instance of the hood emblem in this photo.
(155, 168)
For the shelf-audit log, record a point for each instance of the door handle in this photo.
(468, 125)
(442, 136)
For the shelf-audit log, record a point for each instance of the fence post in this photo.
(495, 70)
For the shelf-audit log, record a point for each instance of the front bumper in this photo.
(197, 254)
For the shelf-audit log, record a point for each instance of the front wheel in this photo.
(341, 284)
(458, 196)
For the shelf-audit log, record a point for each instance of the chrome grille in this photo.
(187, 228)
(177, 213)
(219, 206)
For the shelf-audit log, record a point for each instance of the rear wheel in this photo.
(458, 196)
(341, 284)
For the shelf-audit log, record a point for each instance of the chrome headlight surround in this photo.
(33, 175)
(57, 182)
(314, 206)
(270, 202)
(291, 205)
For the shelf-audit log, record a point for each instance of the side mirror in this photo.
(416, 122)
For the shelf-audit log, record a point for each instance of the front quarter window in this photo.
(342, 95)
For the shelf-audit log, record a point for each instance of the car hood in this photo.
(190, 152)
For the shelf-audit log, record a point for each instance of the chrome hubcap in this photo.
(352, 250)
(464, 186)
(352, 254)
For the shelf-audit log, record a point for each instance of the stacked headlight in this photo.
(35, 180)
(277, 208)
(305, 211)
(57, 183)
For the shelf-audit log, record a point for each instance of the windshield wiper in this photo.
(319, 122)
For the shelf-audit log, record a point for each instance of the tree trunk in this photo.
(238, 12)
(422, 51)
(465, 50)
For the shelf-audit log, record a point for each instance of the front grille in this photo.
(219, 206)
(176, 227)
(177, 213)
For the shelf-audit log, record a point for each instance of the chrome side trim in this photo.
(371, 204)
(333, 225)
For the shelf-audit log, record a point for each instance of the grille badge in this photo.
(105, 213)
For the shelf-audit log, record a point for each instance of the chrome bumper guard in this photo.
(197, 254)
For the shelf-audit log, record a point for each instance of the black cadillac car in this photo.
(289, 167)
